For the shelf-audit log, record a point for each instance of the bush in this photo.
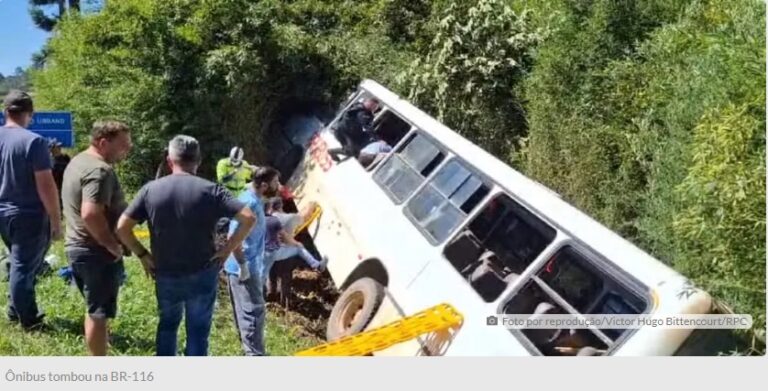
(621, 114)
(469, 76)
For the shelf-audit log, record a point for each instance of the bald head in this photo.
(371, 104)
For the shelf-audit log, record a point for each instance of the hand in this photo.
(148, 263)
(126, 251)
(222, 255)
(245, 274)
(56, 233)
(115, 249)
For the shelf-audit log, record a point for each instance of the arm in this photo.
(239, 255)
(222, 171)
(98, 188)
(95, 218)
(125, 232)
(365, 119)
(245, 221)
(49, 195)
(40, 157)
(136, 212)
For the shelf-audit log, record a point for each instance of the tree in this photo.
(40, 58)
(46, 22)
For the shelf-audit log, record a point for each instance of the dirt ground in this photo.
(304, 296)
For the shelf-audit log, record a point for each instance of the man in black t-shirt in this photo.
(182, 210)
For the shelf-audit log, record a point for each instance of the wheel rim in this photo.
(351, 311)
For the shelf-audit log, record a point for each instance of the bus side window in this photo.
(408, 167)
(443, 204)
(390, 128)
(497, 246)
(570, 284)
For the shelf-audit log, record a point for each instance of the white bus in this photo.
(440, 220)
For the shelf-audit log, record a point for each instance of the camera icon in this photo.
(492, 321)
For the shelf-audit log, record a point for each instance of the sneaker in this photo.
(323, 264)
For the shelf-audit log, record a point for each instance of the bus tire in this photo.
(355, 308)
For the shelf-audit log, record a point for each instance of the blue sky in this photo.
(19, 37)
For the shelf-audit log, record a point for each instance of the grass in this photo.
(133, 331)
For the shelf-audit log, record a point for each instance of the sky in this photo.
(18, 31)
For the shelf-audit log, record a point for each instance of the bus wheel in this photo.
(355, 308)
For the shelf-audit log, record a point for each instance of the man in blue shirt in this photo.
(245, 267)
(30, 214)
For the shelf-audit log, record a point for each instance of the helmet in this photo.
(236, 156)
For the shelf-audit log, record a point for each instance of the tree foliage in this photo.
(479, 54)
(18, 81)
(45, 21)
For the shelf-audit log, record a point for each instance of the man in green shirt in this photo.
(93, 202)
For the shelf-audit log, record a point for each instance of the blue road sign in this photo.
(52, 125)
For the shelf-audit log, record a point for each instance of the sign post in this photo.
(52, 125)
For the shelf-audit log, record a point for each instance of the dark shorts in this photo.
(98, 277)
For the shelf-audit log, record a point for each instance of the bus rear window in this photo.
(408, 167)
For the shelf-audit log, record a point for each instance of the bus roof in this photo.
(534, 195)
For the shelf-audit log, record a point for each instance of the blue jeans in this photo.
(191, 295)
(27, 236)
(250, 312)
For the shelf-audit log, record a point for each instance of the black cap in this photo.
(18, 102)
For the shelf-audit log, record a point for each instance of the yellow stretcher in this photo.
(436, 319)
(315, 214)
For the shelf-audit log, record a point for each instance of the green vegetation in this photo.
(661, 109)
(648, 115)
(45, 22)
(133, 331)
(17, 81)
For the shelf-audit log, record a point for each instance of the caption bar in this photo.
(78, 377)
(606, 321)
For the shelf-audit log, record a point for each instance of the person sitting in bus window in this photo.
(280, 245)
(354, 129)
(374, 152)
(292, 221)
